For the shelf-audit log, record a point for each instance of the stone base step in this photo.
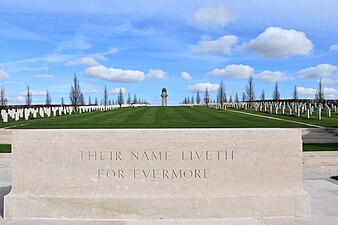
(5, 163)
(320, 160)
(5, 136)
(320, 167)
(318, 135)
(242, 221)
(320, 154)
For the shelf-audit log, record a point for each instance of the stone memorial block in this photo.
(156, 174)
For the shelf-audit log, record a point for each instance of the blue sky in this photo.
(142, 46)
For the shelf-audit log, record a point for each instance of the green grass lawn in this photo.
(325, 122)
(4, 148)
(320, 147)
(153, 117)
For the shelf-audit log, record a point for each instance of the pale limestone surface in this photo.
(324, 201)
(56, 175)
(134, 222)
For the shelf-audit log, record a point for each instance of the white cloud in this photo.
(111, 51)
(278, 42)
(272, 76)
(233, 71)
(334, 47)
(202, 86)
(223, 44)
(77, 43)
(330, 92)
(3, 74)
(117, 90)
(103, 55)
(327, 81)
(34, 93)
(20, 99)
(91, 91)
(322, 70)
(48, 77)
(85, 61)
(115, 75)
(186, 76)
(13, 83)
(157, 74)
(212, 16)
(306, 91)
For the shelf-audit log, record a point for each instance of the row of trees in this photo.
(76, 97)
(248, 94)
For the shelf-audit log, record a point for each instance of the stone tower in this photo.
(164, 96)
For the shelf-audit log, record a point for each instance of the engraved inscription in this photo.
(118, 158)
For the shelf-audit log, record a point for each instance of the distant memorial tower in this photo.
(164, 96)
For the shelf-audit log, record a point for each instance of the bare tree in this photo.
(250, 89)
(105, 97)
(206, 96)
(75, 92)
(320, 93)
(28, 97)
(263, 95)
(120, 99)
(128, 99)
(135, 99)
(276, 94)
(82, 100)
(236, 98)
(221, 95)
(243, 97)
(48, 100)
(295, 94)
(3, 99)
(198, 98)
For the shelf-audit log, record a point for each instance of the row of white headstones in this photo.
(42, 112)
(284, 108)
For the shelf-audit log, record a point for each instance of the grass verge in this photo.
(5, 148)
(320, 147)
(335, 177)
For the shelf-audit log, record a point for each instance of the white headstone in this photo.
(319, 113)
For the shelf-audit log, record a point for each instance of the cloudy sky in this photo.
(143, 46)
